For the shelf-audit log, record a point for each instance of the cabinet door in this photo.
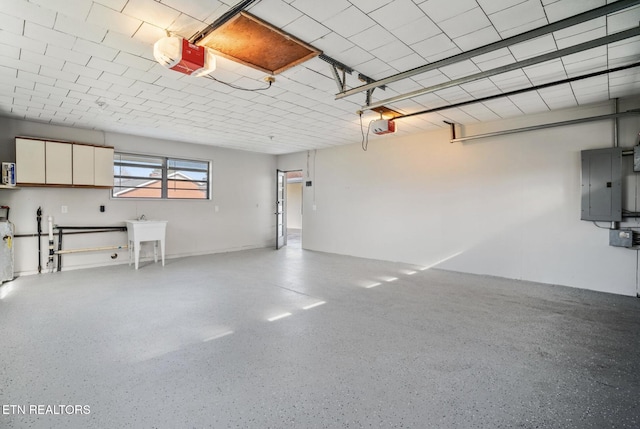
(83, 165)
(58, 163)
(103, 166)
(30, 158)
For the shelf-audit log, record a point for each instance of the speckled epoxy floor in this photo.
(190, 345)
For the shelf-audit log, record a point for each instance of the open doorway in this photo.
(294, 208)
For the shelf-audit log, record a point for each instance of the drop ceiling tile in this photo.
(186, 26)
(92, 83)
(38, 60)
(417, 30)
(370, 5)
(480, 112)
(198, 9)
(518, 15)
(587, 66)
(433, 46)
(149, 34)
(480, 88)
(493, 6)
(349, 22)
(593, 97)
(441, 10)
(11, 23)
(321, 11)
(503, 107)
(139, 75)
(623, 20)
(9, 51)
(585, 55)
(453, 95)
(152, 12)
(458, 116)
(102, 65)
(63, 54)
(534, 47)
(396, 14)
(332, 44)
(71, 86)
(465, 23)
(460, 69)
(581, 37)
(117, 80)
(20, 65)
(495, 62)
(134, 61)
(116, 22)
(128, 44)
(524, 28)
(372, 38)
(478, 38)
(392, 51)
(23, 9)
(592, 84)
(275, 12)
(79, 28)
(306, 29)
(529, 102)
(425, 101)
(49, 89)
(548, 71)
(52, 37)
(408, 62)
(510, 81)
(628, 49)
(94, 49)
(565, 8)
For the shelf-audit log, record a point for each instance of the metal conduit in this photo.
(550, 28)
(544, 126)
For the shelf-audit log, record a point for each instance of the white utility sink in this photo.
(146, 230)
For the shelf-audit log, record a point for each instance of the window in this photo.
(156, 177)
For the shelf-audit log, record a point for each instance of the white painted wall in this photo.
(243, 186)
(506, 206)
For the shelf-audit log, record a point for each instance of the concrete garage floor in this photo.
(190, 345)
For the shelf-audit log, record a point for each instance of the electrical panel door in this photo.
(602, 185)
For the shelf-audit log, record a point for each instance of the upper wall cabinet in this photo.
(50, 163)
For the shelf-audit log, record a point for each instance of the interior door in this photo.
(281, 209)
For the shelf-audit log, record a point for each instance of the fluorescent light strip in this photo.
(391, 279)
(314, 305)
(279, 316)
(373, 285)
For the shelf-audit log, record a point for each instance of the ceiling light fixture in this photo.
(177, 53)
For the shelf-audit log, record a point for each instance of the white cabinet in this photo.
(83, 159)
(40, 162)
(30, 161)
(58, 160)
(103, 166)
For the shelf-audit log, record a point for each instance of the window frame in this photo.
(164, 180)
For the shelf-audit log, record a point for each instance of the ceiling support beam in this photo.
(632, 32)
(519, 91)
(532, 34)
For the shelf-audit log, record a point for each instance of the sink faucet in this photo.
(142, 217)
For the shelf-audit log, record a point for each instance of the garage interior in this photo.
(378, 213)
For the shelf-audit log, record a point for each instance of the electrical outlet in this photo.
(64, 209)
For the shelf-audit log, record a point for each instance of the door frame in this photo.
(281, 208)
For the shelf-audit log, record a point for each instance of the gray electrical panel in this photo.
(602, 185)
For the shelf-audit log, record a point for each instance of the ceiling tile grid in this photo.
(90, 64)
